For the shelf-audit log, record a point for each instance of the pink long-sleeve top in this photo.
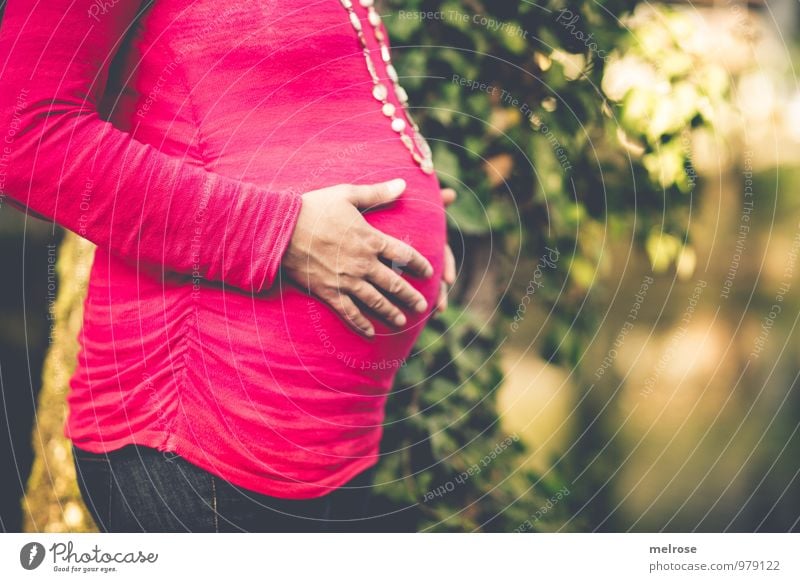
(178, 136)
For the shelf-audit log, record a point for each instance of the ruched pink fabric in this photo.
(178, 136)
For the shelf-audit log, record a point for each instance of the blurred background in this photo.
(621, 352)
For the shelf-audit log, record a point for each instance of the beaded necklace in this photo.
(422, 152)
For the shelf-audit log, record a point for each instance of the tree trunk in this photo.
(53, 502)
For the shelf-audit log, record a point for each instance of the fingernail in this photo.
(396, 186)
(422, 306)
(400, 320)
(370, 332)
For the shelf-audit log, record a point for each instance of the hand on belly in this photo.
(335, 254)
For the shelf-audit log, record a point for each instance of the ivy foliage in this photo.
(510, 95)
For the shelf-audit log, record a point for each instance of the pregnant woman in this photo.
(270, 242)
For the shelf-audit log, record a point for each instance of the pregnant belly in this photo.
(290, 332)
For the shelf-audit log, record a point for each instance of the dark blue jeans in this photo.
(136, 489)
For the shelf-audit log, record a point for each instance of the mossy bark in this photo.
(52, 502)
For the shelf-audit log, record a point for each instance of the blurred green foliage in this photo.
(510, 95)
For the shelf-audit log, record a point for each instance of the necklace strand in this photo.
(422, 152)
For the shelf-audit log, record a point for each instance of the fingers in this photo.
(448, 196)
(441, 303)
(352, 315)
(379, 304)
(449, 274)
(368, 196)
(448, 278)
(393, 284)
(404, 256)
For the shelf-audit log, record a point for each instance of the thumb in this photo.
(367, 196)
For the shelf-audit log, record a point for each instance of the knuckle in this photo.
(362, 266)
(332, 293)
(340, 269)
(364, 261)
(330, 282)
(341, 276)
(377, 244)
(396, 285)
(406, 253)
(326, 292)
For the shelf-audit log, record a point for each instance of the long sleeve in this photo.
(59, 159)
